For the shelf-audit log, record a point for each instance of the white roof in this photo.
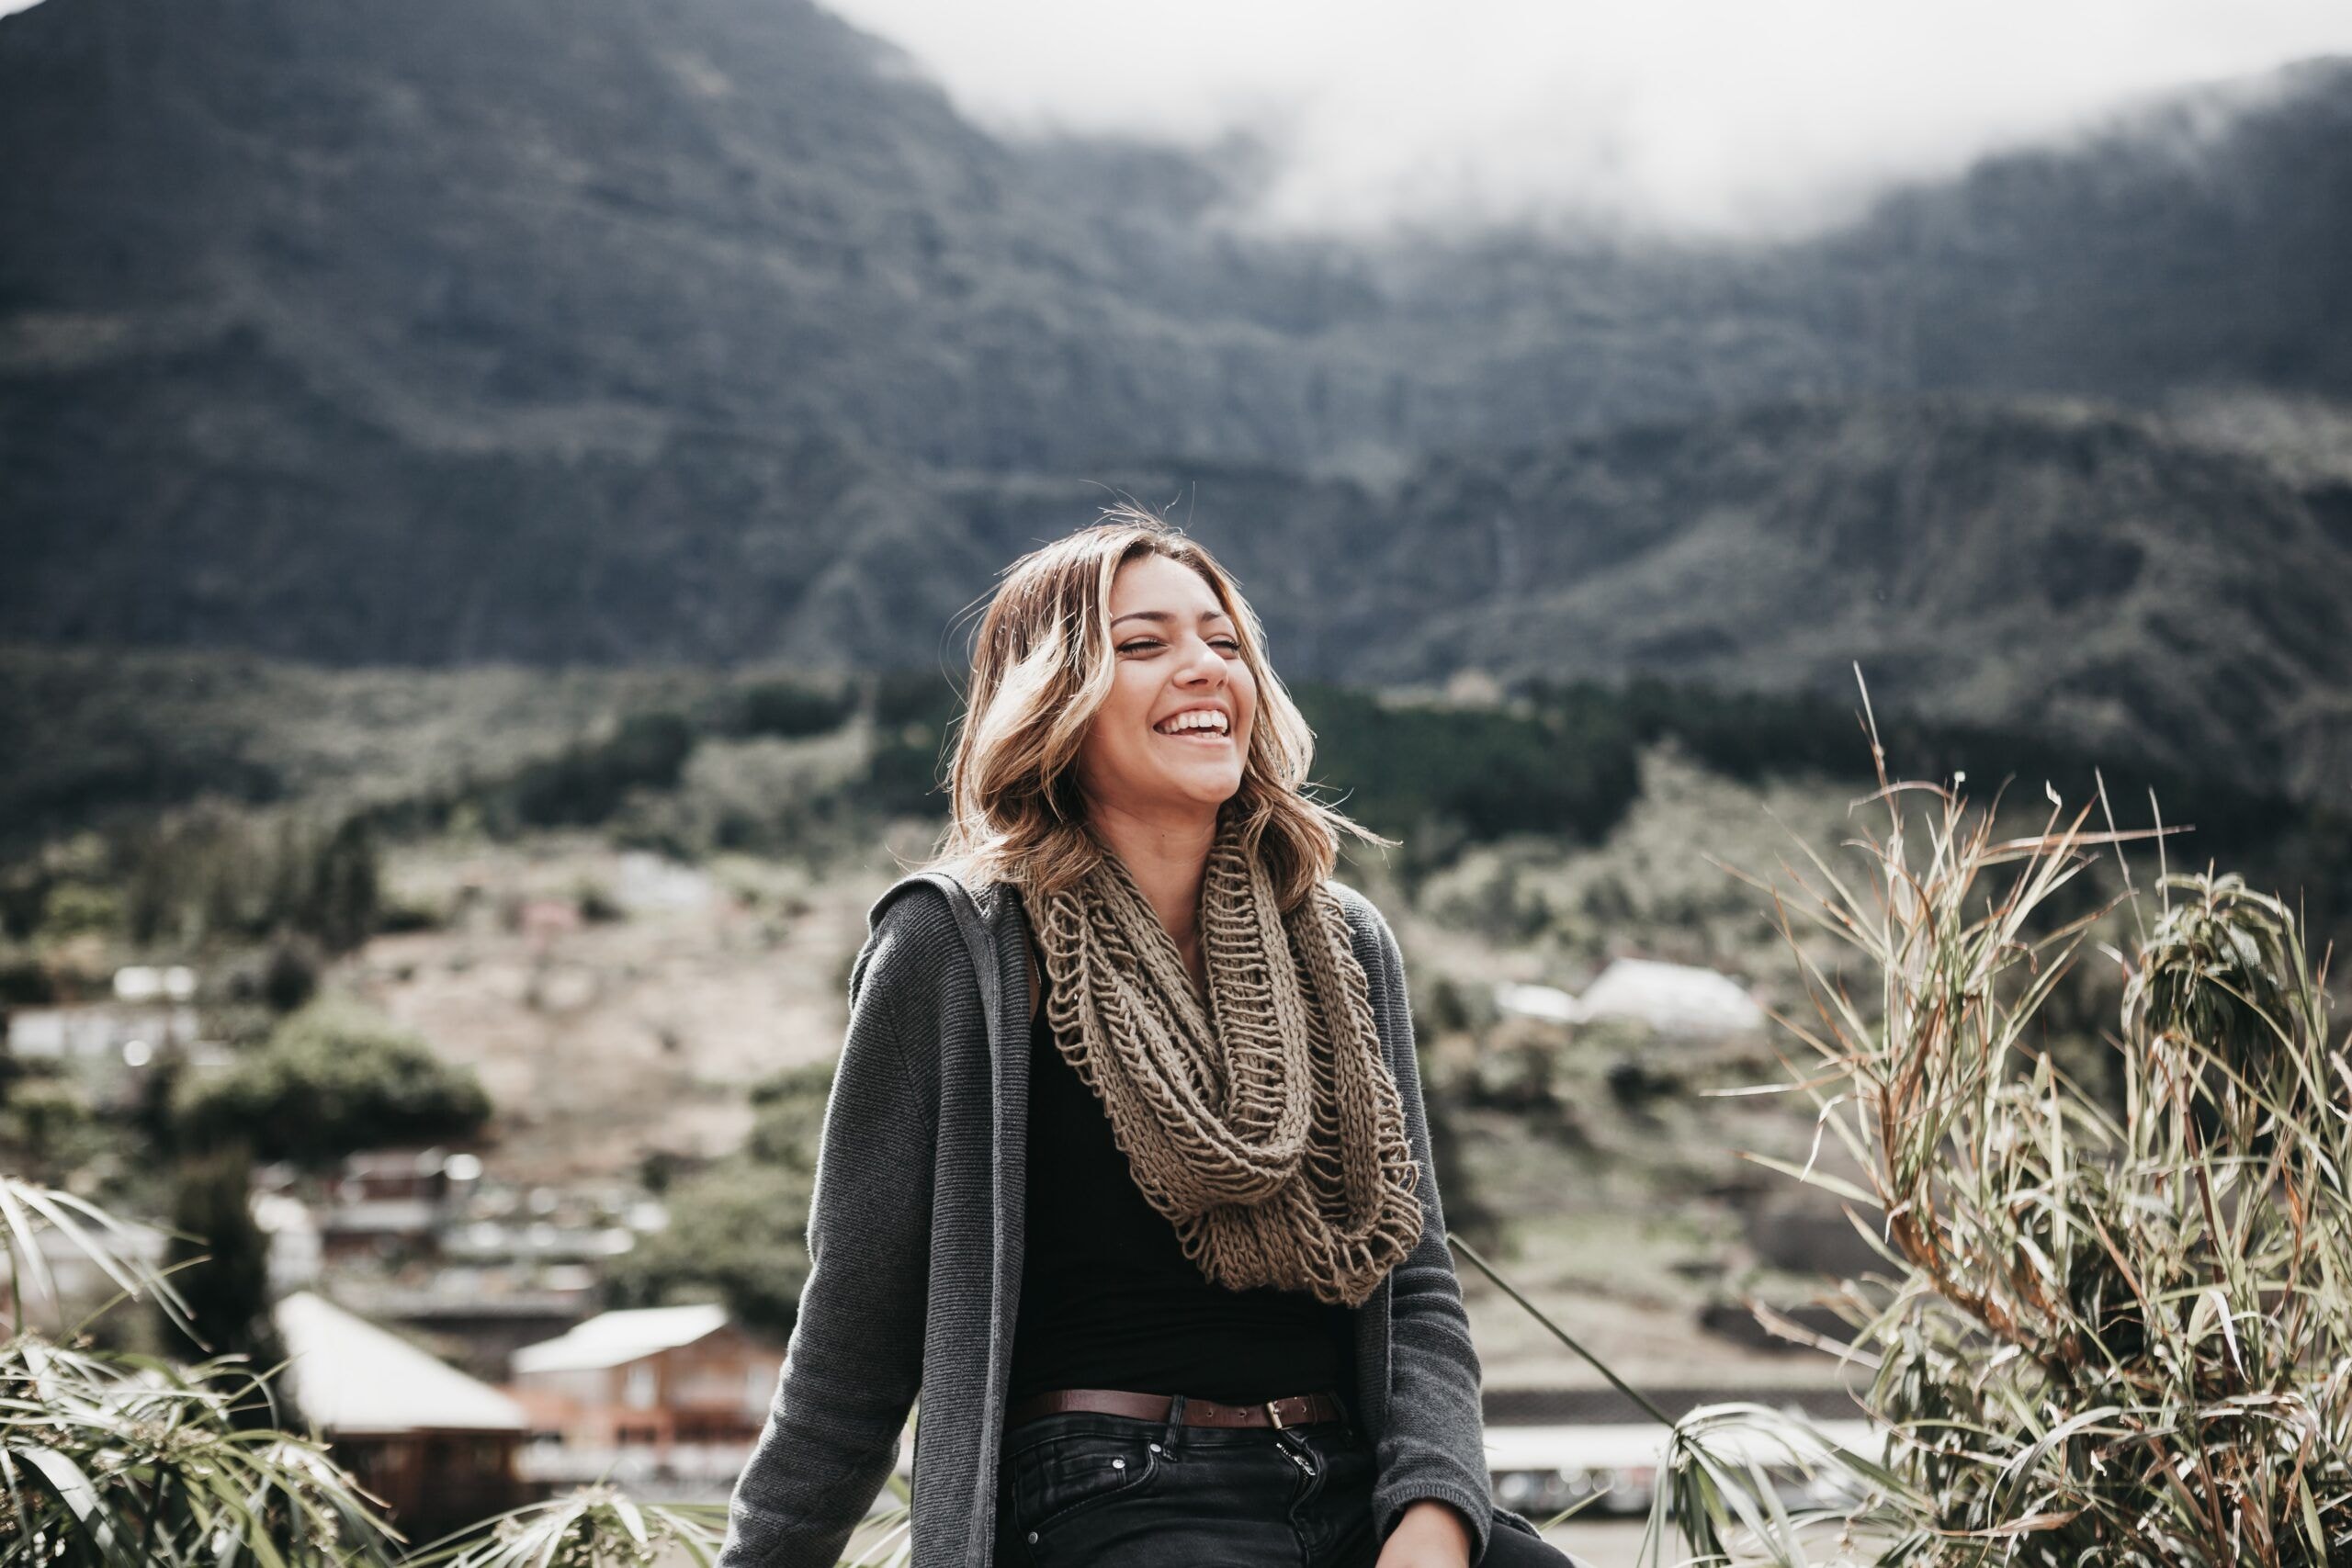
(1672, 998)
(1547, 1002)
(351, 1376)
(613, 1338)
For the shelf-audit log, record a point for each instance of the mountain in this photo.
(703, 329)
(530, 227)
(1994, 560)
(2197, 241)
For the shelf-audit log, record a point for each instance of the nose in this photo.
(1205, 667)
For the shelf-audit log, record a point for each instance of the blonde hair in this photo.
(1042, 665)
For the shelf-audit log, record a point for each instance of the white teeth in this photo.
(1182, 723)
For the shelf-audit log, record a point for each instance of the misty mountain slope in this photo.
(2053, 564)
(533, 226)
(2057, 564)
(527, 223)
(702, 329)
(266, 518)
(2205, 238)
(2200, 239)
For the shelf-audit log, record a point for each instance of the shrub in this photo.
(586, 782)
(2099, 1337)
(787, 710)
(738, 1229)
(332, 1078)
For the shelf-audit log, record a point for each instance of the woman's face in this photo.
(1174, 652)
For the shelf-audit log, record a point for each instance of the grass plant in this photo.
(2101, 1335)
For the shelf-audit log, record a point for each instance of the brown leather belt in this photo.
(1290, 1410)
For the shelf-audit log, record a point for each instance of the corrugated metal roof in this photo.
(350, 1376)
(613, 1338)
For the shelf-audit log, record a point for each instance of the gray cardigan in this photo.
(915, 1249)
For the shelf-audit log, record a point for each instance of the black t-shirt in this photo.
(1109, 1300)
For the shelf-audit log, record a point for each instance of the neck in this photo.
(1167, 854)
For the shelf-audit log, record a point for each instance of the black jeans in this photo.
(1122, 1491)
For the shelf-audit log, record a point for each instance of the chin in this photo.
(1210, 795)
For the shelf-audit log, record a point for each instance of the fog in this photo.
(1697, 118)
(1700, 117)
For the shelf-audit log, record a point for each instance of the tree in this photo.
(334, 1077)
(739, 1231)
(226, 1283)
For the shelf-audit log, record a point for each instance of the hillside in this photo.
(708, 331)
(519, 228)
(2051, 565)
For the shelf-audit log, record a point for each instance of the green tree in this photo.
(587, 782)
(226, 1280)
(334, 1077)
(739, 1231)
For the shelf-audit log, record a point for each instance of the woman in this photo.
(1124, 1171)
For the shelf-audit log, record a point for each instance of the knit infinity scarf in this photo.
(1263, 1121)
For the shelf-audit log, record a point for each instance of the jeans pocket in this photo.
(1059, 1475)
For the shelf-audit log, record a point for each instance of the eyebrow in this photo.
(1164, 617)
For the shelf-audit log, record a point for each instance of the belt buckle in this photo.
(1274, 1414)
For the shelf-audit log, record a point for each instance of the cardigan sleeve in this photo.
(1435, 1442)
(854, 1363)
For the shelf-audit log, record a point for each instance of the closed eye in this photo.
(1130, 646)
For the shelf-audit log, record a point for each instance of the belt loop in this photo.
(1175, 1419)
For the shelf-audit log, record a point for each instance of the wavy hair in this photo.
(1042, 667)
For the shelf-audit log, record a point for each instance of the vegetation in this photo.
(739, 1230)
(695, 764)
(2099, 1337)
(334, 1078)
(209, 874)
(588, 781)
(593, 1527)
(787, 710)
(108, 1458)
(1565, 768)
(111, 1459)
(221, 1255)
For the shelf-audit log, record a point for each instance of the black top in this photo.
(1109, 1300)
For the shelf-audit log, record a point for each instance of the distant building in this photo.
(1672, 999)
(1549, 1003)
(107, 1047)
(437, 1445)
(389, 1203)
(473, 1318)
(677, 1393)
(147, 983)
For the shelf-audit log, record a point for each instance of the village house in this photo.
(671, 1394)
(386, 1204)
(437, 1445)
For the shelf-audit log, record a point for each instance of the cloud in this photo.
(1695, 118)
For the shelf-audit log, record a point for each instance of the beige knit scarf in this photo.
(1263, 1121)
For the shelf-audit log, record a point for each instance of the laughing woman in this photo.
(1125, 1174)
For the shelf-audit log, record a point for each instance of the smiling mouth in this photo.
(1211, 735)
